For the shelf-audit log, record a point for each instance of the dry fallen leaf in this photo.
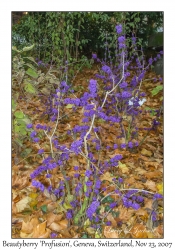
(65, 233)
(153, 163)
(23, 204)
(51, 217)
(55, 227)
(146, 152)
(148, 203)
(130, 180)
(27, 227)
(90, 230)
(150, 235)
(111, 219)
(141, 212)
(51, 206)
(151, 185)
(40, 231)
(19, 182)
(154, 174)
(25, 235)
(62, 225)
(125, 214)
(14, 209)
(140, 171)
(110, 232)
(46, 193)
(123, 168)
(139, 231)
(106, 177)
(158, 231)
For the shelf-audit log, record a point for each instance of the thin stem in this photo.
(142, 141)
(108, 92)
(126, 189)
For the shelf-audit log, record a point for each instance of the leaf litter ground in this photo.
(37, 215)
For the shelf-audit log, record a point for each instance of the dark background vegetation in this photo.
(74, 35)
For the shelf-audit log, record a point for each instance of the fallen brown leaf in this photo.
(141, 212)
(90, 230)
(130, 180)
(110, 232)
(58, 227)
(140, 171)
(65, 233)
(154, 174)
(151, 185)
(25, 235)
(27, 227)
(19, 182)
(125, 213)
(40, 231)
(159, 231)
(111, 219)
(14, 209)
(64, 223)
(51, 217)
(55, 227)
(148, 203)
(51, 206)
(106, 177)
(146, 152)
(154, 164)
(23, 204)
(139, 231)
(123, 168)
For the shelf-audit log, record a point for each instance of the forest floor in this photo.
(36, 215)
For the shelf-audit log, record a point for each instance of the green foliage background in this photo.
(61, 36)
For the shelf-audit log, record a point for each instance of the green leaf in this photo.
(44, 208)
(20, 130)
(26, 120)
(69, 198)
(26, 152)
(97, 235)
(27, 212)
(30, 66)
(19, 142)
(85, 236)
(19, 114)
(32, 73)
(31, 59)
(137, 19)
(107, 208)
(147, 108)
(13, 105)
(108, 199)
(49, 24)
(115, 214)
(69, 106)
(29, 88)
(156, 90)
(20, 122)
(152, 111)
(101, 120)
(15, 49)
(28, 48)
